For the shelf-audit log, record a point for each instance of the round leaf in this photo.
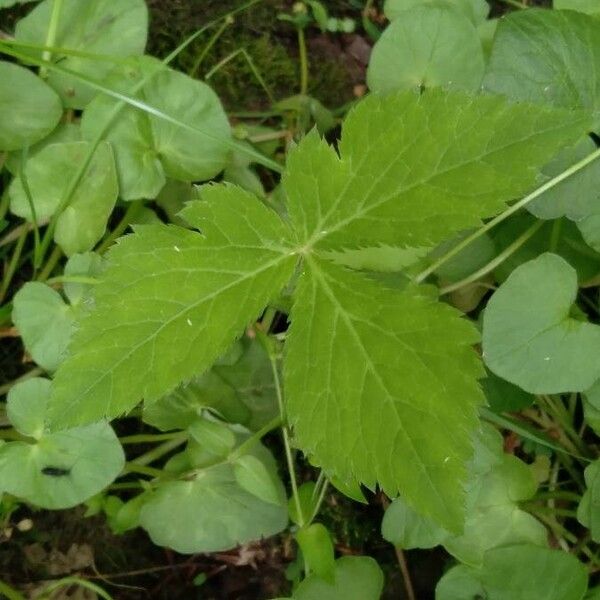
(27, 406)
(45, 323)
(529, 338)
(317, 550)
(103, 27)
(431, 45)
(29, 109)
(211, 512)
(460, 583)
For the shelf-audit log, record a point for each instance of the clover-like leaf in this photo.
(549, 57)
(170, 302)
(529, 337)
(433, 44)
(83, 222)
(45, 322)
(149, 148)
(57, 470)
(29, 109)
(105, 27)
(475, 10)
(211, 511)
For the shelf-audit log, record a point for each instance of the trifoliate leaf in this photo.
(104, 27)
(588, 511)
(578, 196)
(211, 512)
(83, 222)
(356, 578)
(368, 380)
(45, 323)
(547, 57)
(475, 10)
(404, 162)
(29, 109)
(61, 469)
(430, 45)
(149, 148)
(530, 339)
(170, 302)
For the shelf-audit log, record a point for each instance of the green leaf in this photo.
(404, 161)
(211, 512)
(317, 551)
(45, 323)
(58, 470)
(253, 476)
(547, 57)
(380, 361)
(356, 578)
(406, 528)
(84, 220)
(86, 265)
(170, 302)
(520, 572)
(578, 196)
(503, 396)
(529, 338)
(475, 10)
(431, 45)
(590, 7)
(104, 27)
(147, 148)
(29, 109)
(215, 437)
(588, 511)
(591, 407)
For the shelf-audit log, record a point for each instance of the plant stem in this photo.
(303, 61)
(507, 213)
(6, 387)
(160, 451)
(509, 251)
(9, 592)
(254, 439)
(51, 36)
(12, 265)
(50, 264)
(319, 502)
(148, 438)
(209, 45)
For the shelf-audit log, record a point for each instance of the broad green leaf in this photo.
(215, 437)
(406, 528)
(317, 551)
(58, 470)
(356, 578)
(369, 378)
(521, 572)
(588, 511)
(431, 45)
(84, 220)
(529, 337)
(86, 265)
(101, 27)
(578, 196)
(45, 323)
(547, 57)
(475, 10)
(147, 148)
(253, 476)
(591, 7)
(29, 109)
(241, 392)
(170, 303)
(405, 158)
(211, 512)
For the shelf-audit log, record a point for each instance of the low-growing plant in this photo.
(412, 305)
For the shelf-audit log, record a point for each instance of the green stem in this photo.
(12, 265)
(160, 451)
(254, 439)
(319, 502)
(9, 592)
(133, 210)
(507, 213)
(132, 467)
(509, 251)
(303, 61)
(209, 45)
(555, 235)
(149, 438)
(51, 36)
(50, 263)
